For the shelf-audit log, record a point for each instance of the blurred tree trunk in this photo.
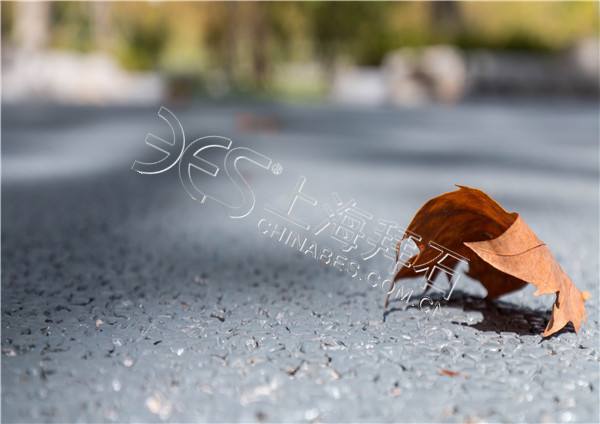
(32, 25)
(231, 41)
(101, 24)
(446, 17)
(259, 31)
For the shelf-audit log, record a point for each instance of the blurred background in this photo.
(399, 53)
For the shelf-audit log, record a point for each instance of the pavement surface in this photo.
(125, 300)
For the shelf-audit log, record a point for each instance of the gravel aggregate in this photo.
(124, 300)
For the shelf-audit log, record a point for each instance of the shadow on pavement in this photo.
(498, 316)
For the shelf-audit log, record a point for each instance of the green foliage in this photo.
(142, 33)
(72, 27)
(6, 23)
(355, 29)
(142, 46)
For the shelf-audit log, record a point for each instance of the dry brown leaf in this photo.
(450, 220)
(452, 373)
(504, 254)
(518, 252)
(247, 122)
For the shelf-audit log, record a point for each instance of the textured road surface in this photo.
(124, 300)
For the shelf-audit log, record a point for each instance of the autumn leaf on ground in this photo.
(503, 253)
(452, 373)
